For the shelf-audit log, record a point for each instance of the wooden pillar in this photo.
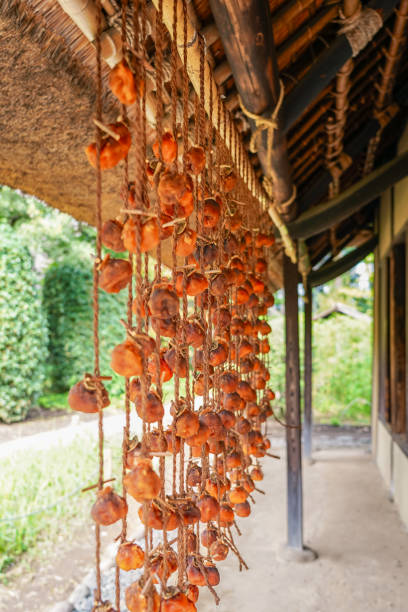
(293, 434)
(397, 338)
(406, 333)
(384, 407)
(307, 385)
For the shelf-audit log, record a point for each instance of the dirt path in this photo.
(36, 584)
(64, 430)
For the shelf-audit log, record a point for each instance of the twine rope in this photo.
(270, 124)
(360, 28)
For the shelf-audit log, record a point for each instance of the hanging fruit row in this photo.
(201, 329)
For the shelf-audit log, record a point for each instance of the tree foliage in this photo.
(23, 331)
(68, 307)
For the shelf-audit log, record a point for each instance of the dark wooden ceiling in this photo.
(302, 30)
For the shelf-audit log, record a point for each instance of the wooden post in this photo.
(293, 434)
(384, 352)
(307, 390)
(397, 338)
(406, 332)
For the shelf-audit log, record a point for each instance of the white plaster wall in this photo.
(400, 481)
(391, 461)
(384, 454)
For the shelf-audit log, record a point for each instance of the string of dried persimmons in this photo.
(197, 328)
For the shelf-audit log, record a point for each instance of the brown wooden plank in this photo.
(246, 33)
(307, 387)
(397, 338)
(383, 361)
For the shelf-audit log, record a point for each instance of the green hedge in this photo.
(342, 354)
(23, 331)
(68, 307)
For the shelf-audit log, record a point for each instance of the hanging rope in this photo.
(262, 124)
(98, 252)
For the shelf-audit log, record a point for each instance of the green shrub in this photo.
(68, 306)
(341, 367)
(23, 332)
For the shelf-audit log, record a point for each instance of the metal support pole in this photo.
(308, 416)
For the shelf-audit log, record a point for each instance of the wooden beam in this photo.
(307, 385)
(397, 338)
(293, 432)
(324, 215)
(325, 69)
(353, 148)
(246, 34)
(339, 266)
(289, 51)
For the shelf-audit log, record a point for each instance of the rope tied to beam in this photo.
(270, 124)
(360, 28)
(288, 243)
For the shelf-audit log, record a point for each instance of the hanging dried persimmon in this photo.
(114, 274)
(196, 159)
(196, 283)
(151, 410)
(123, 84)
(210, 213)
(142, 482)
(111, 235)
(168, 149)
(137, 599)
(130, 556)
(205, 330)
(186, 242)
(109, 507)
(83, 396)
(127, 358)
(177, 602)
(113, 149)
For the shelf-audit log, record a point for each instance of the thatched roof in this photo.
(47, 102)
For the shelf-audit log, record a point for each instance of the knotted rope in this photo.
(288, 243)
(270, 124)
(360, 28)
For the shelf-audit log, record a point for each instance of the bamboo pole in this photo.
(193, 71)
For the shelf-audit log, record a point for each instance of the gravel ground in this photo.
(82, 598)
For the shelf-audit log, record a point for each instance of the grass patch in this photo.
(54, 401)
(342, 354)
(41, 493)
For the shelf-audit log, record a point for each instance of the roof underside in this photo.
(48, 93)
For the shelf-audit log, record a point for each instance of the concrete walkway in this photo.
(362, 545)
